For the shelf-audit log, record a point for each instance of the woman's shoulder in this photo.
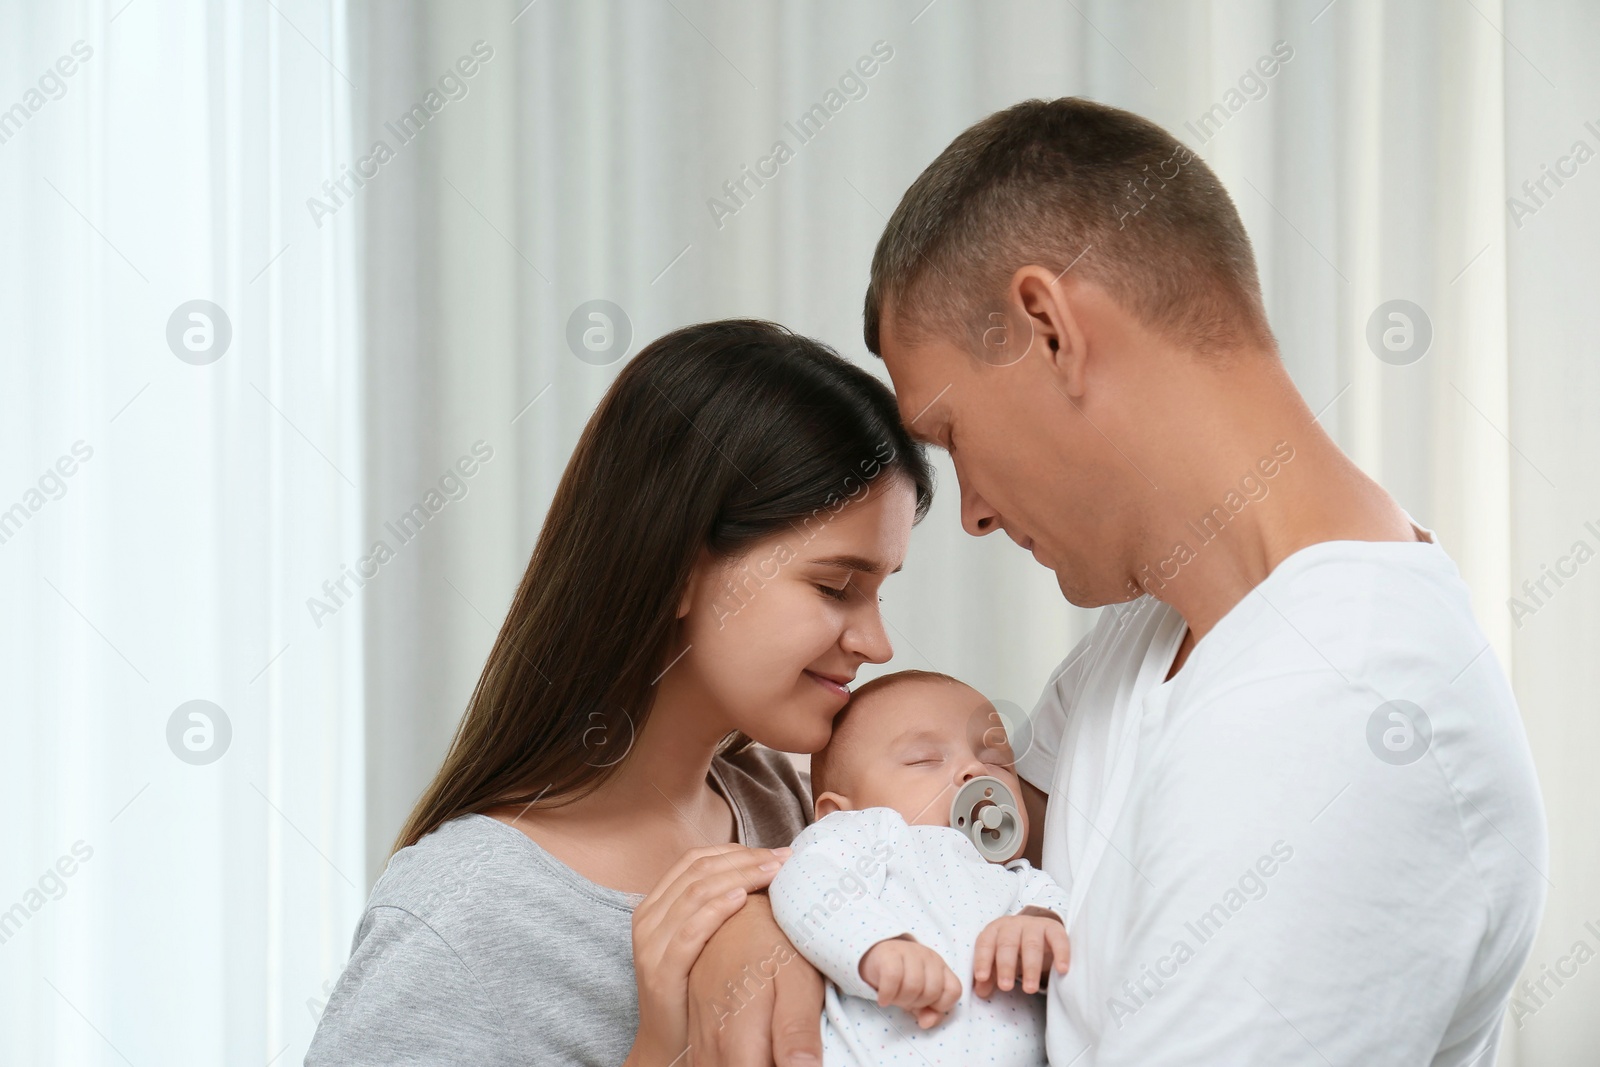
(459, 875)
(773, 793)
(439, 966)
(445, 866)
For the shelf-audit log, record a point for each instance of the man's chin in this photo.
(1081, 596)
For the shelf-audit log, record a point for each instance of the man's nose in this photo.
(977, 517)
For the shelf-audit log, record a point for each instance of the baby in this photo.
(899, 909)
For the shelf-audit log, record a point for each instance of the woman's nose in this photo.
(868, 639)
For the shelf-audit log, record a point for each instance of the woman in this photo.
(707, 577)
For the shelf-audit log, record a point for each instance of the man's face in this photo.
(1030, 460)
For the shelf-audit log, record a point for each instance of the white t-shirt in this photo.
(860, 877)
(1270, 863)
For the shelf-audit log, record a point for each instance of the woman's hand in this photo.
(671, 926)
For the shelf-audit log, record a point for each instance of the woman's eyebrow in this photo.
(855, 563)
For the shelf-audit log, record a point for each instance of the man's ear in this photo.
(1048, 302)
(830, 802)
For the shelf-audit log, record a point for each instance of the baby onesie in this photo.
(859, 877)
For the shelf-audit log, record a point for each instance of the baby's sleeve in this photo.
(1037, 889)
(826, 897)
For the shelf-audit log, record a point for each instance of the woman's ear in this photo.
(701, 563)
(830, 802)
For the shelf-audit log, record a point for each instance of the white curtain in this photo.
(178, 879)
(424, 322)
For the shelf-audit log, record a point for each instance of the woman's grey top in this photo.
(479, 947)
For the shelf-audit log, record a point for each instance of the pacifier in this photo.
(986, 811)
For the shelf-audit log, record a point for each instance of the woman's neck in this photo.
(666, 766)
(628, 832)
(663, 775)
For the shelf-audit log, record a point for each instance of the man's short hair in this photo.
(823, 763)
(1069, 184)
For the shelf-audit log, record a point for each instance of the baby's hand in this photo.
(912, 976)
(1038, 939)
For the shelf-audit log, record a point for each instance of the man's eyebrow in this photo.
(855, 563)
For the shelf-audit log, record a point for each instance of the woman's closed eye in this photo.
(840, 593)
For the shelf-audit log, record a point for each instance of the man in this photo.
(1284, 779)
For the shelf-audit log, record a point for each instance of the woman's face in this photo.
(776, 635)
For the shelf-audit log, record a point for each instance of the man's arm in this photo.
(754, 1000)
(1035, 800)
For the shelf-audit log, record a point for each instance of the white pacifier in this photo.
(986, 811)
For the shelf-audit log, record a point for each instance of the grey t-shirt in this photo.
(480, 948)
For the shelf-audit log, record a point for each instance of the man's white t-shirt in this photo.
(1322, 842)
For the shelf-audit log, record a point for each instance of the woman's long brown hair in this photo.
(713, 437)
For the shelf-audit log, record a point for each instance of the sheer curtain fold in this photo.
(182, 755)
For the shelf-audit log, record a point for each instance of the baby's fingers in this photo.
(983, 962)
(914, 987)
(1005, 955)
(891, 978)
(1060, 947)
(1032, 958)
(951, 993)
(941, 990)
(934, 999)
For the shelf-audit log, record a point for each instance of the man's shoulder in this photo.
(1341, 615)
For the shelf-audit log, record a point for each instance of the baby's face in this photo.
(913, 745)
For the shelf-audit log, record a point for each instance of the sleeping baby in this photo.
(901, 909)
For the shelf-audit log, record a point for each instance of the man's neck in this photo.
(1237, 504)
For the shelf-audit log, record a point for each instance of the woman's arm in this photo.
(754, 1000)
(406, 997)
(671, 926)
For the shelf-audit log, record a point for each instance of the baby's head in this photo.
(908, 741)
